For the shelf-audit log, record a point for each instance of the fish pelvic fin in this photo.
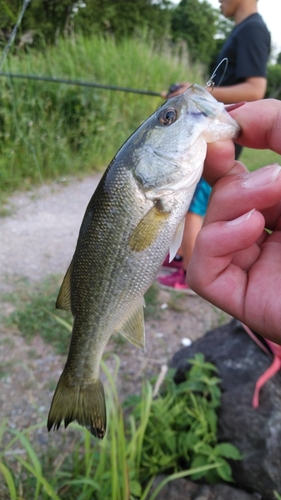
(83, 402)
(176, 241)
(64, 296)
(133, 327)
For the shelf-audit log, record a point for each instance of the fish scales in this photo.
(133, 218)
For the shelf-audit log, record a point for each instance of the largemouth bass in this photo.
(134, 218)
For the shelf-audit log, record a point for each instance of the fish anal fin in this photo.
(133, 327)
(176, 241)
(148, 228)
(64, 296)
(84, 402)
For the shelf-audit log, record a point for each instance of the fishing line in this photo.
(14, 109)
(60, 80)
(210, 82)
(14, 32)
(81, 83)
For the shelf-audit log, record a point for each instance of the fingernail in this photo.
(262, 176)
(241, 219)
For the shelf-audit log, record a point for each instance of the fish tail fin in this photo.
(82, 402)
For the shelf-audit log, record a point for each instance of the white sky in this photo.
(269, 10)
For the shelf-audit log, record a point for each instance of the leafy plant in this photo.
(117, 468)
(182, 428)
(174, 434)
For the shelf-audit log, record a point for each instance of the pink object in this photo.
(176, 264)
(274, 367)
(176, 281)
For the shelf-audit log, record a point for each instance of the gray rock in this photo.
(221, 492)
(255, 432)
(179, 489)
(183, 489)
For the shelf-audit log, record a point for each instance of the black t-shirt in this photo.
(247, 50)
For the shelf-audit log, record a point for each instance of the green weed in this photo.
(34, 314)
(151, 302)
(256, 158)
(174, 434)
(49, 130)
(181, 431)
(5, 369)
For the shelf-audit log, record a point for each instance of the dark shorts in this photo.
(200, 198)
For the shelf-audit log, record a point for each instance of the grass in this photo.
(256, 158)
(51, 130)
(34, 313)
(125, 464)
(134, 452)
(48, 130)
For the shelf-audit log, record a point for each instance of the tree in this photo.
(124, 17)
(49, 18)
(274, 81)
(44, 18)
(196, 23)
(223, 28)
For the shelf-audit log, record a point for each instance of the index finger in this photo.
(260, 123)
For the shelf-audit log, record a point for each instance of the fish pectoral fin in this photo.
(64, 296)
(133, 327)
(81, 401)
(176, 241)
(148, 228)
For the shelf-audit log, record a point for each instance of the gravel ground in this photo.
(37, 240)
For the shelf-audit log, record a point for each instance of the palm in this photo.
(263, 298)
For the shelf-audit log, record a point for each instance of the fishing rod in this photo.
(14, 32)
(81, 83)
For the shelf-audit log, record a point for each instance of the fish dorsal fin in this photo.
(64, 296)
(148, 228)
(176, 241)
(133, 327)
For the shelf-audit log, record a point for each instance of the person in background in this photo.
(247, 50)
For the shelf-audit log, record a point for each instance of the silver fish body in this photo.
(133, 219)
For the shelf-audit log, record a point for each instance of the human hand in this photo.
(236, 264)
(175, 89)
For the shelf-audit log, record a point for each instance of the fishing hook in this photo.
(210, 82)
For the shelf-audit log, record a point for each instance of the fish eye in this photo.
(168, 116)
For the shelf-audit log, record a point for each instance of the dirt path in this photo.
(37, 239)
(39, 236)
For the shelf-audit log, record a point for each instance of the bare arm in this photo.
(252, 89)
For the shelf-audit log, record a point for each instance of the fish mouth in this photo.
(235, 105)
